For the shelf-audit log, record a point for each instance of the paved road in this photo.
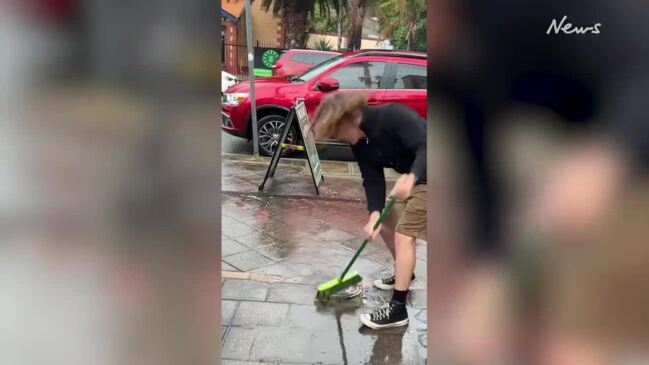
(231, 144)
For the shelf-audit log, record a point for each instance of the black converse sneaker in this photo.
(392, 315)
(387, 283)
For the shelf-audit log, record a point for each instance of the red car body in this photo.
(386, 76)
(297, 61)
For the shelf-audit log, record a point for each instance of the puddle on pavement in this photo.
(303, 232)
(386, 348)
(369, 298)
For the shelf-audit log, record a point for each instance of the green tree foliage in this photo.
(404, 23)
(398, 37)
(297, 15)
(323, 44)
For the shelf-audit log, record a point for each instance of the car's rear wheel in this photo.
(269, 133)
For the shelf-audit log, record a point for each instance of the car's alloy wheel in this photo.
(270, 131)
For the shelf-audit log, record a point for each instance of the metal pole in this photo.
(251, 75)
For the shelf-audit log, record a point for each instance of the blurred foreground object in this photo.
(544, 132)
(590, 292)
(109, 197)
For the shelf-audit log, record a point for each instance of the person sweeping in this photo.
(384, 136)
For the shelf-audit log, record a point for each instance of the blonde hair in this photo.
(335, 109)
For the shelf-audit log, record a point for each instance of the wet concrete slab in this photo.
(228, 308)
(258, 239)
(227, 267)
(244, 290)
(255, 314)
(330, 337)
(230, 247)
(237, 230)
(247, 261)
(275, 331)
(292, 294)
(288, 181)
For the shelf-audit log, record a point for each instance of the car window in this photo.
(319, 58)
(410, 76)
(302, 58)
(318, 69)
(360, 75)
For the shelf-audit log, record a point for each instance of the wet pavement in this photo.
(277, 247)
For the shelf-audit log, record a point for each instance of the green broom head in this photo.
(325, 290)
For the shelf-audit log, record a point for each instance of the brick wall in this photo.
(265, 28)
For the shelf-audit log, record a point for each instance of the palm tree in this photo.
(295, 17)
(393, 12)
(356, 14)
(339, 13)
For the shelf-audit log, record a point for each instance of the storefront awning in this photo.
(227, 16)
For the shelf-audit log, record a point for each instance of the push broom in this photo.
(325, 290)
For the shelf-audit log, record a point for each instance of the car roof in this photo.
(299, 50)
(388, 53)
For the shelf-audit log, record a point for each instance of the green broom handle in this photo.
(384, 213)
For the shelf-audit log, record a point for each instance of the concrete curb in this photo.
(334, 168)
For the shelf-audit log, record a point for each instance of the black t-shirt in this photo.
(396, 138)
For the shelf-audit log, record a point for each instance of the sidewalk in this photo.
(278, 246)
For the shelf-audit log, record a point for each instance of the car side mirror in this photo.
(328, 84)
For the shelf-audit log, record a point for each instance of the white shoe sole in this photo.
(352, 292)
(365, 318)
(379, 284)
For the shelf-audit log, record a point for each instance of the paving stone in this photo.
(277, 252)
(247, 261)
(227, 267)
(418, 298)
(260, 314)
(238, 343)
(230, 247)
(227, 221)
(335, 235)
(258, 239)
(307, 316)
(292, 293)
(335, 167)
(286, 345)
(244, 290)
(237, 230)
(228, 308)
(418, 318)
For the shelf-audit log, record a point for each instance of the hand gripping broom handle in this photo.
(384, 213)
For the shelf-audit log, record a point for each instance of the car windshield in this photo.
(317, 69)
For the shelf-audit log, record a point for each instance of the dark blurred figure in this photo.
(587, 63)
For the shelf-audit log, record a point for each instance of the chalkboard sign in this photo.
(309, 142)
(297, 112)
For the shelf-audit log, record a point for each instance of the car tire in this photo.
(270, 130)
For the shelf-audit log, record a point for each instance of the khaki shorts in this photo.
(408, 217)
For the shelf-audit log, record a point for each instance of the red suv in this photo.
(386, 76)
(297, 61)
